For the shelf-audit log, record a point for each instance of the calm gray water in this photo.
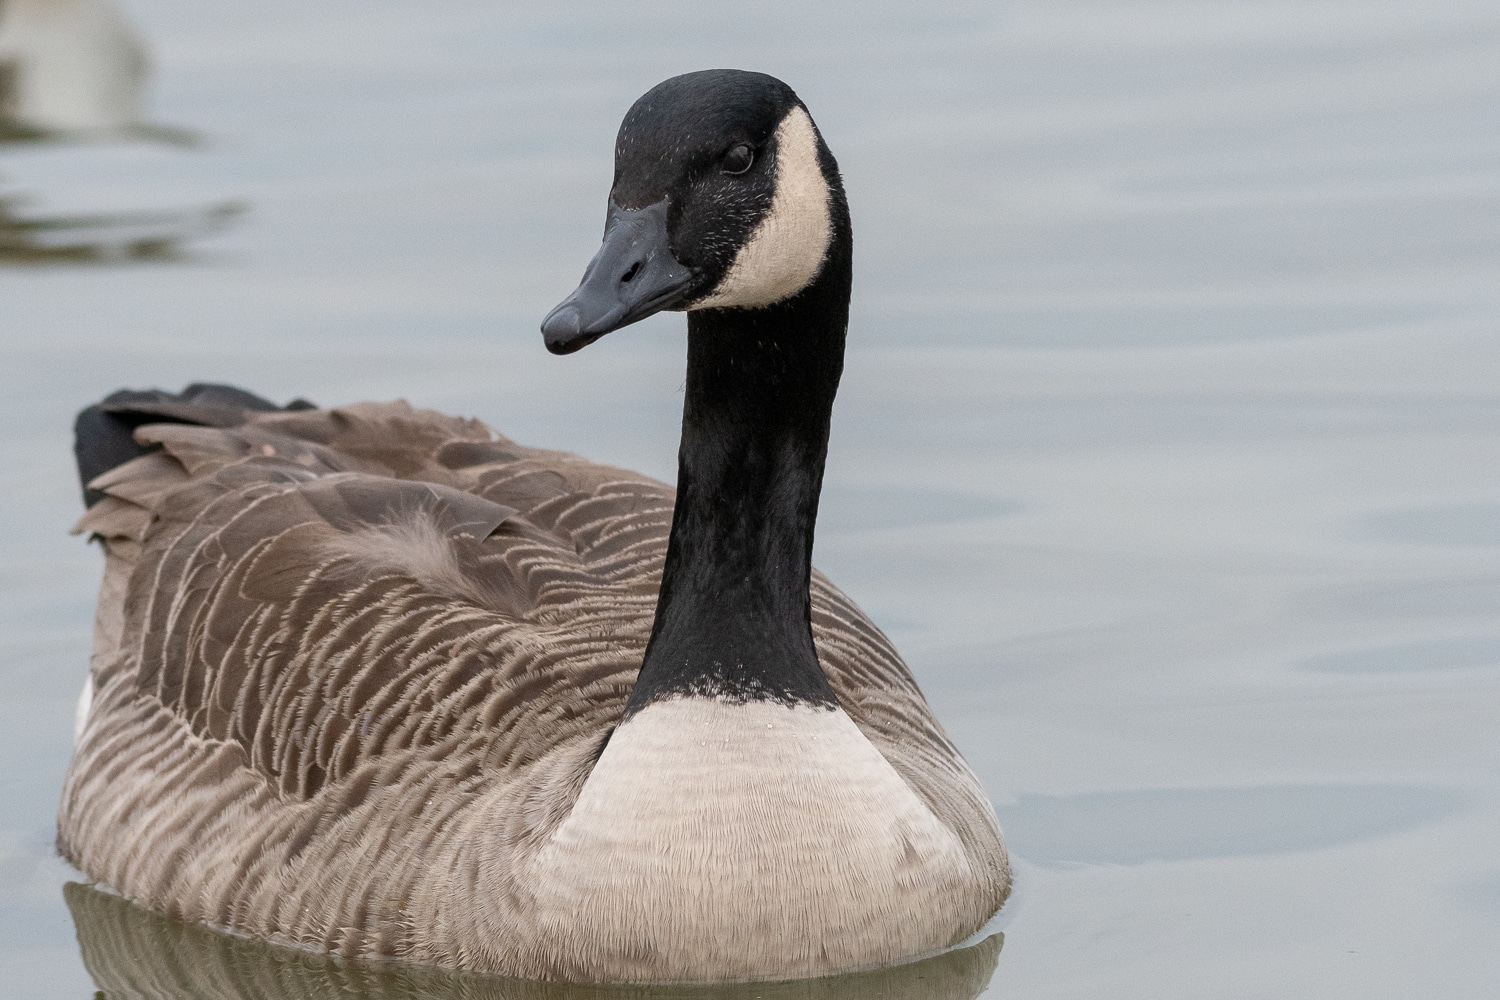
(1168, 453)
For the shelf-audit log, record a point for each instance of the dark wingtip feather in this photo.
(104, 434)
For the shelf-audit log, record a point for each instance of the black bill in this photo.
(631, 277)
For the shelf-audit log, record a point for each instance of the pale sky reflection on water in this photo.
(1168, 451)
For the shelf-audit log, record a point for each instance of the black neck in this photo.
(734, 620)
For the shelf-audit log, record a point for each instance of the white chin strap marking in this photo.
(787, 249)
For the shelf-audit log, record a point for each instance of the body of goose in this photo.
(380, 682)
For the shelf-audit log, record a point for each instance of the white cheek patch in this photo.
(786, 250)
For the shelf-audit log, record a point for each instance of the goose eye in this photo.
(738, 159)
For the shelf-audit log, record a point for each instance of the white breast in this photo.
(715, 840)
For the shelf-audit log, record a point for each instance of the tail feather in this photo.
(104, 434)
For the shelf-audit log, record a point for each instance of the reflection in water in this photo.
(1182, 824)
(107, 237)
(68, 66)
(136, 955)
(73, 70)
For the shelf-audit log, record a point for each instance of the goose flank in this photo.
(380, 682)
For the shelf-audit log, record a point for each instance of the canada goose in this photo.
(379, 682)
(133, 954)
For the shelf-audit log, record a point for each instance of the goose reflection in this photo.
(134, 954)
(107, 236)
(74, 71)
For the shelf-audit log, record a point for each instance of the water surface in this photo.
(1168, 451)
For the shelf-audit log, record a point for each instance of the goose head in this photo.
(724, 197)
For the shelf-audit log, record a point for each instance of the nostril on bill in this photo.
(630, 274)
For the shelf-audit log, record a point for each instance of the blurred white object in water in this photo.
(70, 66)
(75, 70)
(109, 236)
